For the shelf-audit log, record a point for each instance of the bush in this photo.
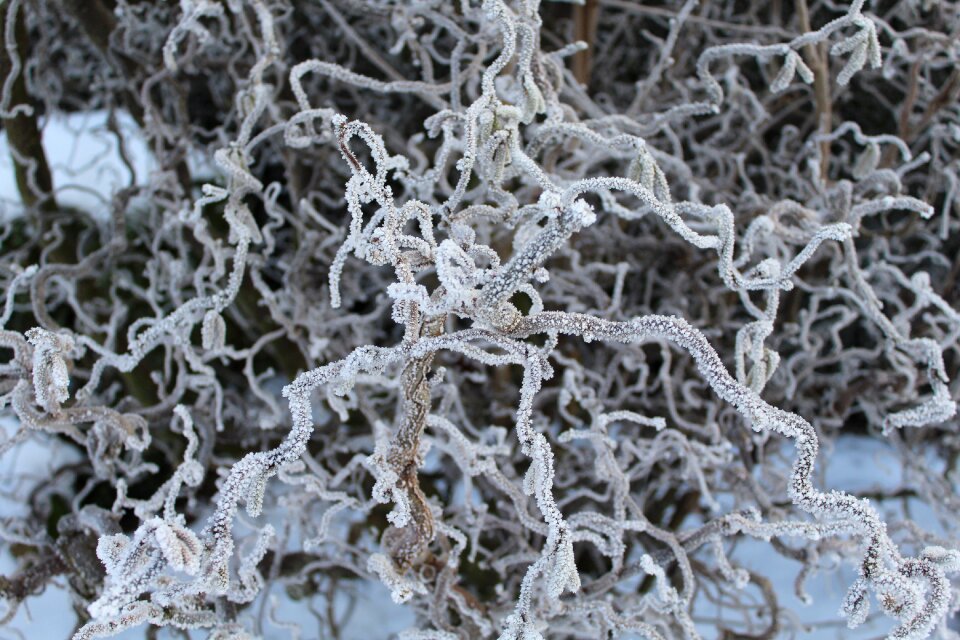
(566, 321)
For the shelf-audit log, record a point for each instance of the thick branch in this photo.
(31, 169)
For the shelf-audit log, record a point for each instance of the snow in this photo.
(85, 160)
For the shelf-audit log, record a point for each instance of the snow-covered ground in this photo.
(85, 160)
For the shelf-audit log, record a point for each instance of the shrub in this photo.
(558, 320)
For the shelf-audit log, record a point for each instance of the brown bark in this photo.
(31, 170)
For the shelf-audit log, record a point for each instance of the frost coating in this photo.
(413, 295)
